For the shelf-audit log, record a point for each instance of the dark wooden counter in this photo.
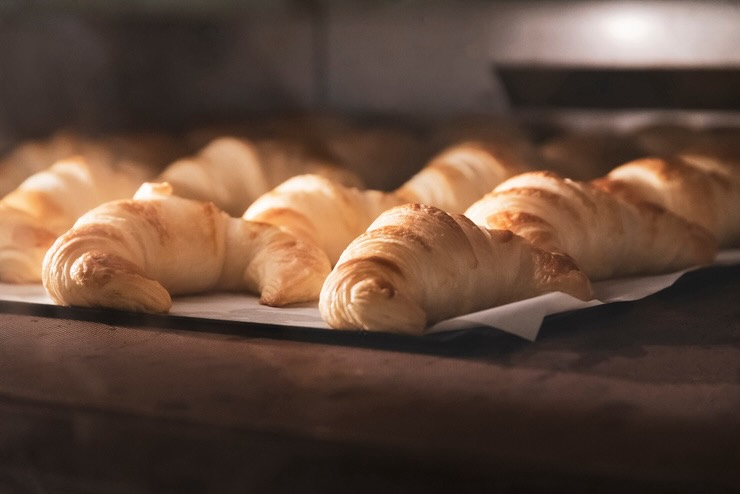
(639, 396)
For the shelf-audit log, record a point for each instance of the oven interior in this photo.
(618, 398)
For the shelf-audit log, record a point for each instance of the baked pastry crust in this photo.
(417, 265)
(332, 215)
(321, 211)
(608, 235)
(462, 174)
(233, 172)
(33, 156)
(697, 187)
(134, 254)
(49, 202)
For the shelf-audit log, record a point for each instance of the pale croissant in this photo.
(606, 235)
(383, 156)
(694, 187)
(331, 215)
(233, 172)
(587, 155)
(417, 265)
(462, 174)
(33, 156)
(321, 211)
(134, 254)
(49, 202)
(149, 150)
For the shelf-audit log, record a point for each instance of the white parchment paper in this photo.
(522, 318)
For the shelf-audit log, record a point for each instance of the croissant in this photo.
(664, 138)
(321, 211)
(145, 149)
(233, 172)
(417, 265)
(306, 126)
(479, 127)
(717, 155)
(606, 235)
(150, 149)
(695, 188)
(332, 215)
(587, 155)
(384, 156)
(359, 146)
(33, 156)
(49, 202)
(461, 174)
(134, 254)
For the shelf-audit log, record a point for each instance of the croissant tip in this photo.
(271, 300)
(21, 266)
(280, 296)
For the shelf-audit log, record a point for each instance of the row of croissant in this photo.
(477, 226)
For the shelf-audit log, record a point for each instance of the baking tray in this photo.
(451, 341)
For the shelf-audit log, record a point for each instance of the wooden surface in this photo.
(632, 396)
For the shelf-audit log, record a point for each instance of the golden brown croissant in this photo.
(49, 202)
(321, 211)
(606, 235)
(417, 265)
(134, 254)
(233, 172)
(462, 174)
(698, 189)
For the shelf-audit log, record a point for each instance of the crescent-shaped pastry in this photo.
(694, 187)
(332, 215)
(33, 156)
(384, 156)
(232, 172)
(417, 265)
(49, 202)
(135, 254)
(462, 174)
(586, 155)
(151, 150)
(321, 211)
(607, 235)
